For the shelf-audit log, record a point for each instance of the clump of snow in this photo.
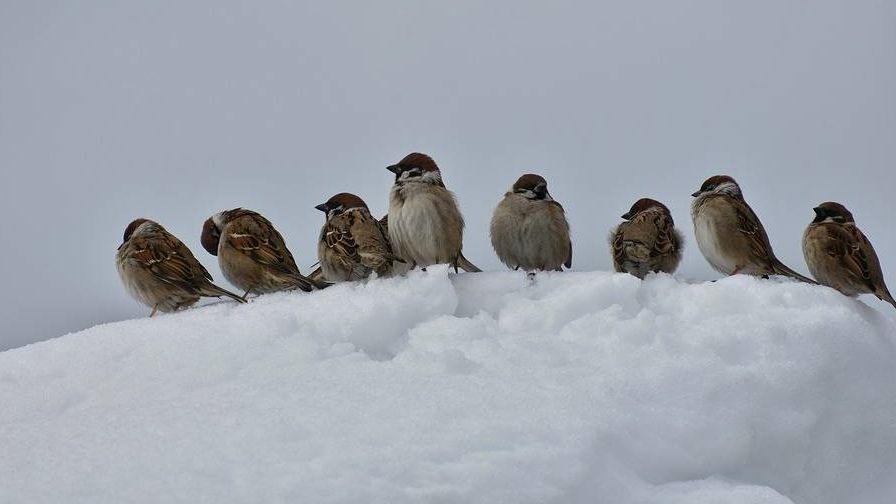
(485, 388)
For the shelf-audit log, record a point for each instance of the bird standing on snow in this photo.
(251, 253)
(352, 243)
(840, 256)
(425, 225)
(529, 229)
(647, 240)
(160, 271)
(730, 235)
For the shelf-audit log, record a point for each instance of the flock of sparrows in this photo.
(528, 230)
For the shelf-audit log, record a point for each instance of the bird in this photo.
(158, 270)
(352, 242)
(730, 235)
(425, 224)
(529, 228)
(647, 240)
(840, 256)
(252, 254)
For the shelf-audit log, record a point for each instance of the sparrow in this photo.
(529, 229)
(647, 240)
(730, 235)
(840, 256)
(158, 270)
(251, 253)
(352, 243)
(425, 225)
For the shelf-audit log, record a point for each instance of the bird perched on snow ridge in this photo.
(529, 229)
(840, 256)
(352, 242)
(425, 224)
(730, 235)
(252, 254)
(160, 271)
(647, 240)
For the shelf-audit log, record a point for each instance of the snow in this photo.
(473, 388)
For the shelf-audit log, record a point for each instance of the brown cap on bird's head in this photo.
(211, 236)
(342, 202)
(713, 182)
(834, 211)
(645, 204)
(128, 231)
(414, 160)
(531, 182)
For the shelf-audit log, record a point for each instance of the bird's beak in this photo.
(627, 215)
(819, 215)
(394, 169)
(696, 194)
(323, 207)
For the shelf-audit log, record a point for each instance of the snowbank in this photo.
(581, 388)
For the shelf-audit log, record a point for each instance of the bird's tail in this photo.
(213, 290)
(781, 269)
(318, 279)
(884, 295)
(310, 282)
(464, 264)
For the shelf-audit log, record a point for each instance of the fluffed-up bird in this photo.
(529, 229)
(840, 256)
(647, 241)
(425, 224)
(352, 243)
(158, 270)
(252, 254)
(730, 235)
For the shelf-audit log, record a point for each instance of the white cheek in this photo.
(431, 177)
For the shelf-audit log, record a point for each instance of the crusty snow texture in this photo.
(486, 388)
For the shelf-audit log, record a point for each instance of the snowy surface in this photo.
(580, 388)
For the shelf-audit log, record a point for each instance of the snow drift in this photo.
(485, 388)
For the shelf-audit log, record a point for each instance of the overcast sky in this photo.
(175, 110)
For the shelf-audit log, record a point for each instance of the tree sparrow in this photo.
(158, 270)
(647, 240)
(529, 229)
(425, 225)
(352, 244)
(251, 253)
(730, 235)
(840, 256)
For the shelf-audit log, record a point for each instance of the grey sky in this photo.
(175, 110)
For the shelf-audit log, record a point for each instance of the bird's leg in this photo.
(154, 308)
(246, 295)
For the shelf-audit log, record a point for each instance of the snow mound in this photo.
(486, 388)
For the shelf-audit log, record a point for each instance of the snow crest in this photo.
(485, 388)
